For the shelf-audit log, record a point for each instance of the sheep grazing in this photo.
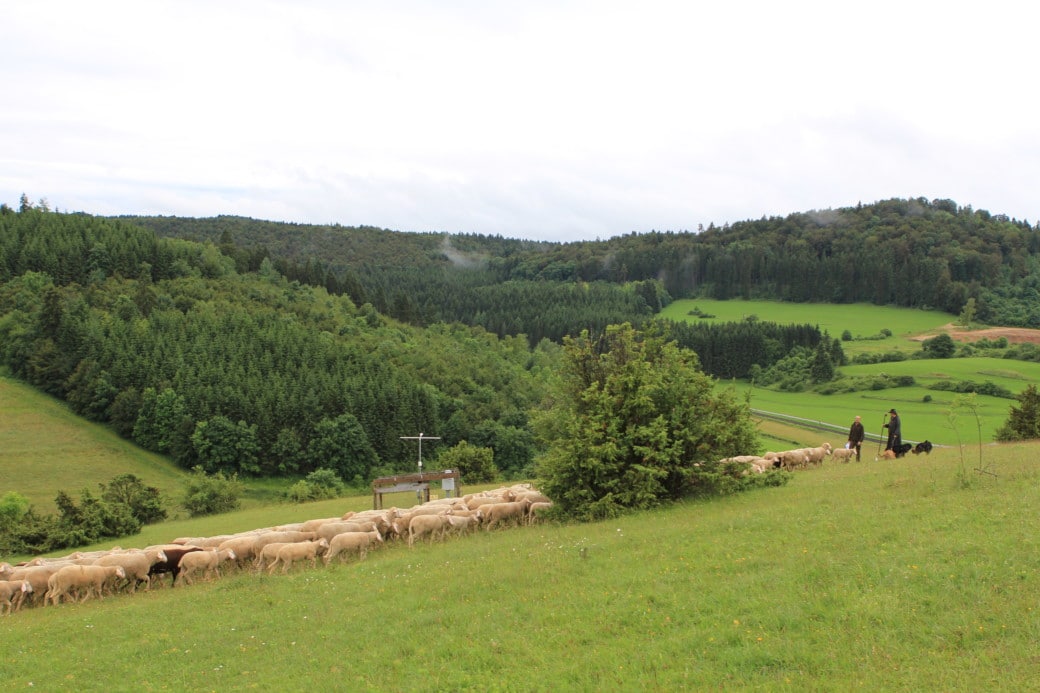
(537, 509)
(431, 526)
(844, 454)
(818, 454)
(87, 579)
(299, 551)
(37, 577)
(136, 564)
(794, 459)
(352, 542)
(174, 554)
(266, 538)
(268, 554)
(12, 594)
(205, 562)
(331, 529)
(242, 547)
(463, 522)
(515, 511)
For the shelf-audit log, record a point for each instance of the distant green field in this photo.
(920, 420)
(862, 320)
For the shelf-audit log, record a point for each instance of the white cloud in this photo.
(557, 120)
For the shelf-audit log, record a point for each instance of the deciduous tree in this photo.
(634, 422)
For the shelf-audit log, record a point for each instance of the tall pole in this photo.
(421, 437)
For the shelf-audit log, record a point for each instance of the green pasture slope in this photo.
(860, 319)
(44, 448)
(937, 420)
(903, 575)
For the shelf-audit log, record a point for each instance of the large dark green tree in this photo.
(635, 422)
(340, 444)
(1023, 422)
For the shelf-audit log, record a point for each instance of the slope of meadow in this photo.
(45, 448)
(913, 574)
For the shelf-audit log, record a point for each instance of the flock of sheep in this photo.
(799, 458)
(82, 575)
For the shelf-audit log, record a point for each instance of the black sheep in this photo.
(172, 564)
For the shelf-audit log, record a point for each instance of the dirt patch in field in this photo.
(1014, 335)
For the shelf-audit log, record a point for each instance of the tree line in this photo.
(905, 252)
(246, 373)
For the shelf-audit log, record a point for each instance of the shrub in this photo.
(144, 502)
(1023, 422)
(476, 465)
(939, 347)
(208, 495)
(632, 416)
(319, 485)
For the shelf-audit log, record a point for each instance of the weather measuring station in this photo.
(420, 482)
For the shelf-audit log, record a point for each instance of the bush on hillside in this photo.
(634, 422)
(144, 502)
(476, 465)
(318, 485)
(1023, 421)
(209, 495)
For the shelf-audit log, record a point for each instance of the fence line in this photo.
(817, 425)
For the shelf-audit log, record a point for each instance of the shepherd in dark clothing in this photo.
(895, 432)
(856, 435)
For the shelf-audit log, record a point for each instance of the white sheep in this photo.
(13, 593)
(299, 551)
(241, 546)
(37, 576)
(844, 454)
(431, 526)
(352, 542)
(536, 509)
(207, 562)
(463, 522)
(816, 455)
(312, 525)
(267, 555)
(331, 529)
(89, 579)
(136, 565)
(793, 459)
(271, 537)
(515, 511)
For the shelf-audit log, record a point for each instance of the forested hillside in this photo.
(912, 253)
(167, 342)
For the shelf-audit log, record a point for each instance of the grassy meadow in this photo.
(44, 447)
(904, 575)
(862, 320)
(937, 419)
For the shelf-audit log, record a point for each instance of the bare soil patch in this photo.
(1014, 335)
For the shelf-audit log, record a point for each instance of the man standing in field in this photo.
(895, 432)
(856, 435)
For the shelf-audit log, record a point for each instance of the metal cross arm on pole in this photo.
(421, 437)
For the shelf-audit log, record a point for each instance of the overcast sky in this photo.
(543, 120)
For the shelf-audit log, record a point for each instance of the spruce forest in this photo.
(268, 349)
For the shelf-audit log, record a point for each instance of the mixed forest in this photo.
(242, 346)
(904, 252)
